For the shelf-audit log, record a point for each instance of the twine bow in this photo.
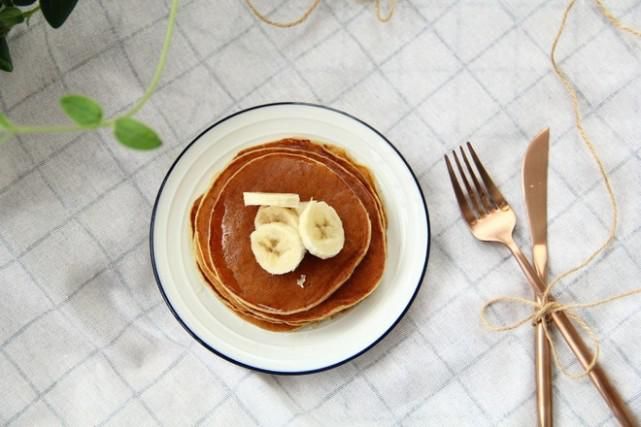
(542, 310)
(383, 17)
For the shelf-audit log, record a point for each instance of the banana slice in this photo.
(300, 208)
(269, 214)
(284, 200)
(277, 247)
(321, 229)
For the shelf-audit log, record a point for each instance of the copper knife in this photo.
(535, 190)
(535, 177)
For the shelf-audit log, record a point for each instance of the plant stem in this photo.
(160, 67)
(17, 129)
(27, 14)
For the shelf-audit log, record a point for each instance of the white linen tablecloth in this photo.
(84, 335)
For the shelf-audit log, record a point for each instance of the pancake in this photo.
(369, 272)
(365, 277)
(231, 224)
(360, 285)
(362, 282)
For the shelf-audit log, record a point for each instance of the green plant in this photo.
(55, 12)
(85, 113)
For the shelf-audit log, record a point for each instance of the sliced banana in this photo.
(321, 229)
(301, 207)
(277, 247)
(269, 214)
(284, 200)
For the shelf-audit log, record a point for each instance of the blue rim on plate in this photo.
(239, 363)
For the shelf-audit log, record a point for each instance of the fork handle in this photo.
(576, 343)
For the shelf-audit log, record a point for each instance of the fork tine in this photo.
(466, 211)
(481, 193)
(492, 188)
(471, 194)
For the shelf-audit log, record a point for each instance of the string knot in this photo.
(543, 311)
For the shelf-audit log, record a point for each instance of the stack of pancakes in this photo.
(318, 288)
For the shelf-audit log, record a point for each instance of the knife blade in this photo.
(535, 189)
(535, 171)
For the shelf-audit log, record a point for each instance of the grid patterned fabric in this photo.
(84, 336)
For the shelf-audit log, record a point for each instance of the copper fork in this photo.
(492, 219)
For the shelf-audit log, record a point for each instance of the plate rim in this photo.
(256, 368)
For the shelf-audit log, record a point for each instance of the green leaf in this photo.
(56, 12)
(4, 122)
(23, 2)
(82, 110)
(5, 56)
(10, 16)
(133, 134)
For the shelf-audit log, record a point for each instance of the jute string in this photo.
(544, 309)
(382, 16)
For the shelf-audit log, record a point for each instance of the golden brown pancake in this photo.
(358, 286)
(365, 277)
(232, 223)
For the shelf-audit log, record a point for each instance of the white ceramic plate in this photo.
(331, 342)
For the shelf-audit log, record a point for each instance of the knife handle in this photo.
(576, 343)
(543, 373)
(542, 351)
